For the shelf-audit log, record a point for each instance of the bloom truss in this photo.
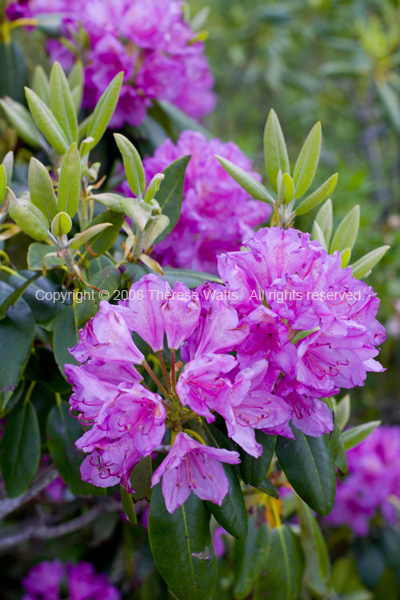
(148, 40)
(288, 328)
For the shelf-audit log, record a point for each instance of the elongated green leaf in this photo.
(246, 181)
(346, 234)
(134, 169)
(354, 436)
(88, 234)
(267, 487)
(62, 103)
(343, 411)
(76, 83)
(317, 562)
(254, 470)
(307, 162)
(232, 514)
(14, 71)
(288, 184)
(70, 181)
(318, 196)
(170, 194)
(61, 224)
(128, 506)
(46, 122)
(3, 183)
(183, 540)
(28, 217)
(8, 164)
(276, 156)
(283, 570)
(62, 433)
(370, 561)
(41, 84)
(40, 255)
(104, 110)
(308, 464)
(154, 229)
(11, 300)
(21, 449)
(114, 202)
(104, 239)
(324, 219)
(317, 234)
(250, 556)
(65, 336)
(41, 189)
(338, 450)
(22, 121)
(345, 257)
(362, 267)
(153, 186)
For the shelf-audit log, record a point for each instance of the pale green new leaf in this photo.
(41, 84)
(362, 267)
(345, 257)
(41, 189)
(153, 186)
(324, 219)
(114, 202)
(289, 187)
(318, 196)
(61, 224)
(104, 109)
(85, 236)
(70, 181)
(8, 163)
(346, 234)
(276, 156)
(343, 412)
(317, 234)
(154, 229)
(354, 436)
(3, 183)
(246, 181)
(62, 104)
(307, 162)
(20, 118)
(46, 122)
(134, 169)
(28, 217)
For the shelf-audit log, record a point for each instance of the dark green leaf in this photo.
(13, 72)
(250, 556)
(17, 332)
(44, 309)
(43, 368)
(182, 547)
(267, 487)
(308, 464)
(370, 561)
(254, 470)
(103, 241)
(106, 280)
(141, 479)
(11, 300)
(283, 570)
(21, 449)
(339, 453)
(65, 336)
(128, 506)
(390, 544)
(170, 194)
(232, 514)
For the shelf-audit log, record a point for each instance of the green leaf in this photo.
(354, 436)
(88, 234)
(318, 196)
(41, 84)
(38, 255)
(170, 193)
(283, 570)
(276, 156)
(76, 83)
(13, 71)
(114, 202)
(370, 561)
(232, 514)
(339, 453)
(61, 224)
(317, 562)
(324, 219)
(65, 336)
(12, 299)
(154, 229)
(183, 540)
(106, 280)
(28, 217)
(391, 102)
(346, 234)
(62, 103)
(307, 162)
(153, 186)
(345, 257)
(267, 487)
(43, 369)
(8, 164)
(3, 183)
(104, 109)
(20, 118)
(287, 183)
(343, 411)
(134, 169)
(103, 240)
(141, 479)
(250, 556)
(246, 181)
(190, 278)
(254, 470)
(46, 122)
(363, 266)
(128, 506)
(21, 449)
(44, 309)
(308, 464)
(41, 189)
(70, 181)
(62, 433)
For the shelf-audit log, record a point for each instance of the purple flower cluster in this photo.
(217, 214)
(373, 481)
(146, 39)
(83, 583)
(250, 351)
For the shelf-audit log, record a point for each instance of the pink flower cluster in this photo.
(146, 39)
(217, 214)
(373, 481)
(240, 357)
(46, 580)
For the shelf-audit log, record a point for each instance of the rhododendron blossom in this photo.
(372, 485)
(259, 362)
(148, 40)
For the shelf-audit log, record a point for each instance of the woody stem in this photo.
(164, 370)
(173, 374)
(155, 378)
